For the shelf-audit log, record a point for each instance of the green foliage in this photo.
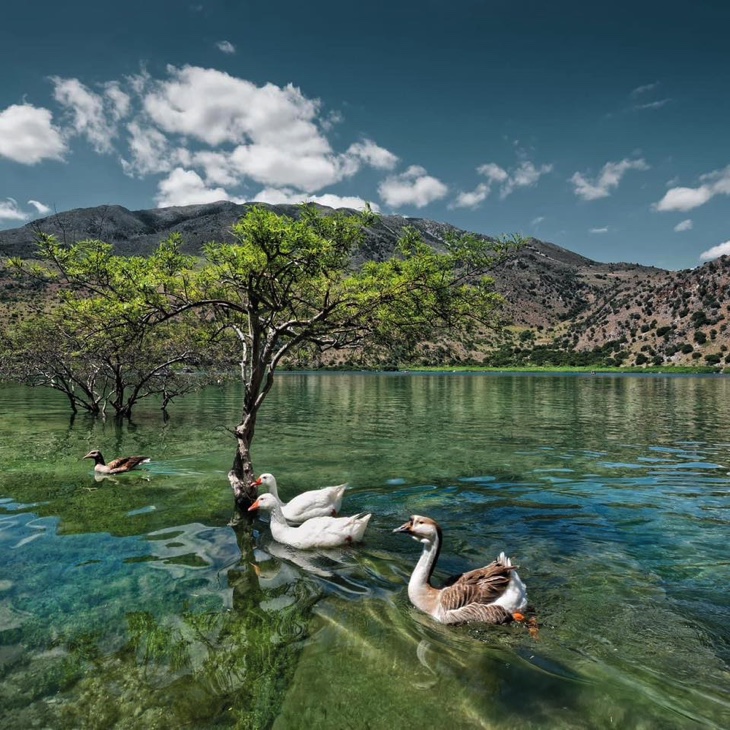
(286, 288)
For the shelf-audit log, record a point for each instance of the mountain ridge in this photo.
(566, 301)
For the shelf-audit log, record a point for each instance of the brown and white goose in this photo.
(494, 594)
(117, 466)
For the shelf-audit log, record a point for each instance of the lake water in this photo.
(134, 604)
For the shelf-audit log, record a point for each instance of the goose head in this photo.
(267, 480)
(423, 529)
(266, 502)
(95, 455)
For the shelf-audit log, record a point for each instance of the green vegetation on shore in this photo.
(667, 369)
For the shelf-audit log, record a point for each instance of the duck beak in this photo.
(404, 528)
(88, 456)
(254, 506)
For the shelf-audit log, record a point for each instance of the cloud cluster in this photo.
(524, 175)
(685, 225)
(684, 199)
(606, 181)
(204, 132)
(11, 211)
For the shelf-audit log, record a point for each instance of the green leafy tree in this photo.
(100, 353)
(289, 284)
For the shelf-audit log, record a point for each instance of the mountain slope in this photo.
(566, 301)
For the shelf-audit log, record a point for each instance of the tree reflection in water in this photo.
(222, 668)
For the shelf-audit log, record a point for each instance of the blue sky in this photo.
(601, 127)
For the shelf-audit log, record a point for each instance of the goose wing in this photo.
(481, 586)
(125, 463)
(314, 503)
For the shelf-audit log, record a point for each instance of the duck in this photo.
(117, 466)
(494, 594)
(317, 532)
(325, 502)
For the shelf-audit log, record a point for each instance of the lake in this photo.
(135, 604)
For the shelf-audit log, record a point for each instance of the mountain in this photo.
(557, 301)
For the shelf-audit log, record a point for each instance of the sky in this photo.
(600, 127)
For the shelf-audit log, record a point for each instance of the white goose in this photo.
(319, 532)
(494, 594)
(325, 502)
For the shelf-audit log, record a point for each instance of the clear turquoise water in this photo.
(134, 604)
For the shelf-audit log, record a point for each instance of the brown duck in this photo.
(494, 594)
(118, 466)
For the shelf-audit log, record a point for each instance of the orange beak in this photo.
(254, 506)
(257, 483)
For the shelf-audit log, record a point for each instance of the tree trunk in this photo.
(241, 475)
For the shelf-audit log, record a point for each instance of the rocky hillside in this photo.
(562, 308)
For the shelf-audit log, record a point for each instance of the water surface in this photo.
(133, 603)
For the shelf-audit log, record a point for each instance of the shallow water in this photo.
(133, 603)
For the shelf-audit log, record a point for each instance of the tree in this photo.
(290, 284)
(96, 352)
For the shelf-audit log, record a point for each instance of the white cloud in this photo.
(722, 249)
(291, 197)
(653, 104)
(412, 187)
(40, 207)
(537, 221)
(598, 230)
(523, 176)
(683, 199)
(10, 211)
(685, 225)
(471, 199)
(607, 180)
(28, 136)
(270, 134)
(493, 172)
(87, 113)
(227, 130)
(186, 187)
(215, 108)
(149, 148)
(120, 101)
(645, 89)
(225, 47)
(373, 154)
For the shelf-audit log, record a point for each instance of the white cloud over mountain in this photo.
(204, 130)
(10, 210)
(722, 249)
(524, 175)
(412, 187)
(683, 198)
(606, 181)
